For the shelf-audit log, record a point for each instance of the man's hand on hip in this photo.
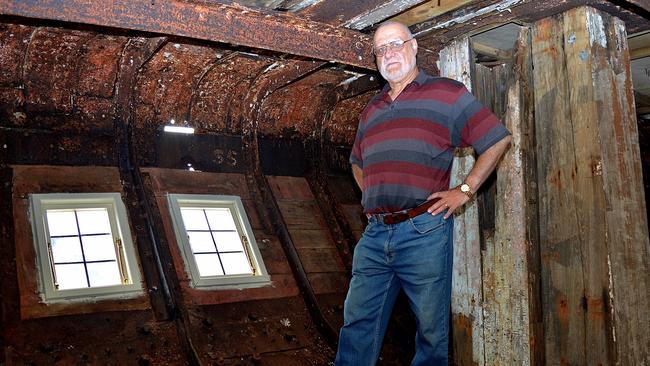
(449, 200)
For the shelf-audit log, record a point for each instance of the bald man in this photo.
(401, 160)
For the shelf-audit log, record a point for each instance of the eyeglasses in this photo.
(392, 46)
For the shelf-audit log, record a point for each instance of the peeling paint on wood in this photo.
(384, 11)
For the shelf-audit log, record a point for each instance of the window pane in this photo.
(94, 221)
(104, 274)
(98, 247)
(70, 276)
(236, 263)
(208, 265)
(194, 219)
(61, 223)
(201, 242)
(228, 241)
(66, 250)
(220, 219)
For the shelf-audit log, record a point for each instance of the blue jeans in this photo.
(415, 255)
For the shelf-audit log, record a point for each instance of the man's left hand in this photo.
(449, 200)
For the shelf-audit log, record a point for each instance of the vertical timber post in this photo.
(510, 255)
(466, 297)
(592, 220)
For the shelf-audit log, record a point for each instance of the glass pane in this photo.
(104, 274)
(66, 250)
(194, 219)
(208, 265)
(98, 247)
(94, 221)
(61, 223)
(228, 241)
(70, 276)
(201, 242)
(236, 263)
(220, 219)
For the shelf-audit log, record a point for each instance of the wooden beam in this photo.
(378, 14)
(429, 10)
(275, 31)
(491, 51)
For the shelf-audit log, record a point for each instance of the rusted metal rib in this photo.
(275, 31)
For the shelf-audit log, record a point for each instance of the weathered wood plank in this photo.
(467, 316)
(581, 25)
(301, 214)
(295, 188)
(311, 238)
(626, 229)
(176, 180)
(562, 276)
(330, 283)
(507, 302)
(320, 260)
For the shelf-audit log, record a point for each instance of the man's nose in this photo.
(390, 53)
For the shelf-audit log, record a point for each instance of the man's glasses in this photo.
(392, 46)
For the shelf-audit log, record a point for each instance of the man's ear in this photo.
(414, 44)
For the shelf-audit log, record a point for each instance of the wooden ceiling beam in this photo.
(429, 10)
(380, 13)
(274, 31)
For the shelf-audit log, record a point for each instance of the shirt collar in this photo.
(419, 80)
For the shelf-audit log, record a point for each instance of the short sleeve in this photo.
(475, 125)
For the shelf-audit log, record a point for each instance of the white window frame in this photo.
(259, 278)
(40, 203)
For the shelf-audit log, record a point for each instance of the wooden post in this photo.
(509, 287)
(592, 219)
(466, 298)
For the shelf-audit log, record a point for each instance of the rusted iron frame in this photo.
(263, 85)
(317, 180)
(135, 190)
(441, 30)
(275, 31)
(226, 57)
(132, 58)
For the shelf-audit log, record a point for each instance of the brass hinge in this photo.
(51, 257)
(121, 262)
(244, 240)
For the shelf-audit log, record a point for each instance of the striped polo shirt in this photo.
(405, 147)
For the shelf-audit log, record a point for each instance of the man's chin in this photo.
(393, 76)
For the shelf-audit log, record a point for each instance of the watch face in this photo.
(464, 188)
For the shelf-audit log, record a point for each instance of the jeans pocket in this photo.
(426, 223)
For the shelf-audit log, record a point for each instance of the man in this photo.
(401, 159)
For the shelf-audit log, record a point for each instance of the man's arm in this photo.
(485, 164)
(358, 175)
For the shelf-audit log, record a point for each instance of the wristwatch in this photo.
(465, 188)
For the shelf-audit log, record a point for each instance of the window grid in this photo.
(214, 242)
(83, 253)
(231, 242)
(86, 237)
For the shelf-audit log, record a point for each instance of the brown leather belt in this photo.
(397, 217)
